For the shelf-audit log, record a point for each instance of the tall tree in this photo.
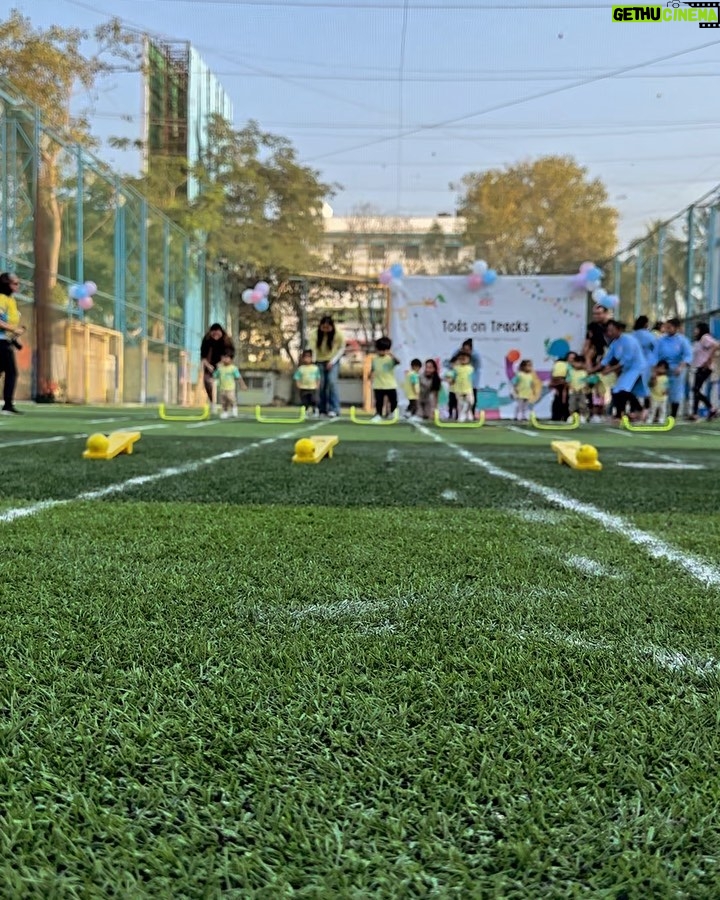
(47, 66)
(260, 212)
(538, 217)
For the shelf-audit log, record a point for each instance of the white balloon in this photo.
(480, 267)
(247, 296)
(599, 294)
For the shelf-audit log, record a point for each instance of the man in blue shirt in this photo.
(625, 356)
(674, 349)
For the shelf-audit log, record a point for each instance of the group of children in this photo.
(580, 390)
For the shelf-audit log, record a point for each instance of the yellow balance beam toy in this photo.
(312, 450)
(474, 424)
(555, 426)
(393, 420)
(101, 446)
(577, 455)
(279, 420)
(192, 417)
(667, 425)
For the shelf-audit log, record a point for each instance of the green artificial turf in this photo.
(393, 674)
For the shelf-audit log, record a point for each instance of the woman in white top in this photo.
(704, 347)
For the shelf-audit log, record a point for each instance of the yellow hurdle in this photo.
(556, 426)
(667, 425)
(279, 420)
(368, 420)
(474, 424)
(193, 417)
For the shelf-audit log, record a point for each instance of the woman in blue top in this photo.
(676, 350)
(625, 357)
(647, 341)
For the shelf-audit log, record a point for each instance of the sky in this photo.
(396, 100)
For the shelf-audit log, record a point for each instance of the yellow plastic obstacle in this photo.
(393, 420)
(667, 425)
(312, 450)
(279, 420)
(193, 417)
(474, 424)
(577, 455)
(101, 446)
(556, 426)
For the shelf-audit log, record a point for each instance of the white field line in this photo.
(203, 424)
(120, 487)
(627, 434)
(663, 456)
(698, 568)
(587, 566)
(144, 427)
(48, 440)
(670, 660)
(101, 421)
(675, 466)
(530, 434)
(541, 516)
(710, 431)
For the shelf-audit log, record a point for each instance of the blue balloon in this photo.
(78, 291)
(593, 274)
(262, 305)
(490, 277)
(396, 271)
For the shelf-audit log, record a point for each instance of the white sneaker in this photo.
(332, 414)
(376, 419)
(224, 415)
(235, 412)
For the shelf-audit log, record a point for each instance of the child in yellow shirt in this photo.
(307, 379)
(577, 378)
(461, 380)
(412, 388)
(659, 383)
(383, 378)
(527, 389)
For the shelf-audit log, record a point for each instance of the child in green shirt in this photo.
(307, 379)
(228, 377)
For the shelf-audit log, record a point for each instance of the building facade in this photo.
(364, 244)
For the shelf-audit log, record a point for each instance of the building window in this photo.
(451, 253)
(412, 251)
(377, 251)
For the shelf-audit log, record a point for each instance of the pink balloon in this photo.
(475, 281)
(256, 296)
(385, 277)
(85, 303)
(578, 282)
(586, 266)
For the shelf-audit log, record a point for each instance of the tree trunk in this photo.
(47, 240)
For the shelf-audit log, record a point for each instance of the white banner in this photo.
(538, 318)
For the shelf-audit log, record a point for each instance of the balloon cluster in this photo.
(83, 294)
(258, 296)
(588, 279)
(481, 276)
(392, 276)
